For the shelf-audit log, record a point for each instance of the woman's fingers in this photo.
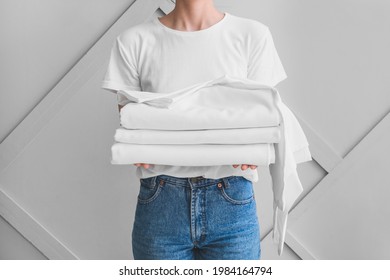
(245, 166)
(145, 165)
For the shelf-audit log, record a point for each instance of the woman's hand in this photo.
(145, 165)
(245, 166)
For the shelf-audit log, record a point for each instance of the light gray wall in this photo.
(13, 246)
(40, 41)
(334, 52)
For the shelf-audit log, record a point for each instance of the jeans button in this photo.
(194, 179)
(219, 185)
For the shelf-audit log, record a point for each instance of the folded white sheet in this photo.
(204, 136)
(217, 106)
(166, 99)
(193, 155)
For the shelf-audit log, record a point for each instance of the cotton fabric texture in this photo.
(201, 136)
(193, 155)
(220, 103)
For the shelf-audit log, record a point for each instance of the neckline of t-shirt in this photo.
(195, 32)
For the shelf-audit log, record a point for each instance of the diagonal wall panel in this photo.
(354, 197)
(345, 215)
(53, 174)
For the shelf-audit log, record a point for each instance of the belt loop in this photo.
(225, 182)
(153, 182)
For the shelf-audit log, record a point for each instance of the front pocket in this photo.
(237, 190)
(148, 191)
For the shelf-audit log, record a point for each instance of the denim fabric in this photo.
(196, 218)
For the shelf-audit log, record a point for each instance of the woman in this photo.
(202, 212)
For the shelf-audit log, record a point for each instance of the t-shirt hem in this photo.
(281, 78)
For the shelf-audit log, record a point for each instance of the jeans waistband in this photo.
(199, 181)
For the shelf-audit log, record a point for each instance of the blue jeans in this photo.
(196, 218)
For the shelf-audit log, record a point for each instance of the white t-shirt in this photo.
(153, 57)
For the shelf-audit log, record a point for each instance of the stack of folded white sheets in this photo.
(210, 123)
(222, 121)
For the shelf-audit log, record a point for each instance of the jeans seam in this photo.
(233, 201)
(156, 193)
(237, 202)
(152, 198)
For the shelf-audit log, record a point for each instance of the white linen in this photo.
(193, 155)
(286, 186)
(225, 103)
(209, 107)
(204, 136)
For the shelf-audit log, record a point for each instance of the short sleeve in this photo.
(121, 72)
(264, 64)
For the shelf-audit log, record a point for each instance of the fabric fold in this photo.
(193, 155)
(225, 104)
(204, 136)
(286, 184)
